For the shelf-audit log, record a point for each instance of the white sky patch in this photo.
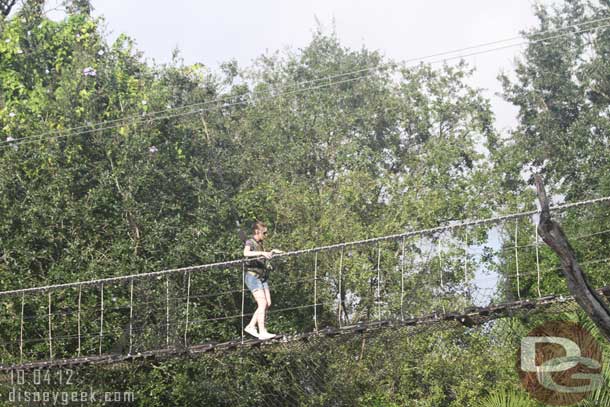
(216, 32)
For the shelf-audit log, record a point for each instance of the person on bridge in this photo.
(257, 274)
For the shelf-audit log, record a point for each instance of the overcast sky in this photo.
(211, 32)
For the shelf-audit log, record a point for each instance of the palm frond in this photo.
(507, 398)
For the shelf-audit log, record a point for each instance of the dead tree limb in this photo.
(552, 234)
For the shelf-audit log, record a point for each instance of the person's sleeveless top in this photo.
(257, 266)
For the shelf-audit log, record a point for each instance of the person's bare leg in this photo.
(259, 314)
(268, 300)
(267, 297)
(267, 294)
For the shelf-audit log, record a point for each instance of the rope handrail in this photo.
(337, 246)
(70, 311)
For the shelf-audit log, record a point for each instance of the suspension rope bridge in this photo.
(469, 318)
(351, 287)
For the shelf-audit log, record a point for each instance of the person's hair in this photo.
(258, 225)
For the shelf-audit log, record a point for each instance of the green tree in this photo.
(326, 144)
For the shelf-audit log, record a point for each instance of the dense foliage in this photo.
(112, 166)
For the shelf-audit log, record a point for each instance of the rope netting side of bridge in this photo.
(389, 280)
(305, 369)
(309, 377)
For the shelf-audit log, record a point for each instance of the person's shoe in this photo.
(252, 331)
(266, 335)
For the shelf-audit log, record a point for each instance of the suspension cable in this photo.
(339, 246)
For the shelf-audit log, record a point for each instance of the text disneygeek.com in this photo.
(30, 387)
(63, 398)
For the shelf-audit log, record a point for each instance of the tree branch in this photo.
(552, 234)
(6, 6)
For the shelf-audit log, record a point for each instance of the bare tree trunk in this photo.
(589, 300)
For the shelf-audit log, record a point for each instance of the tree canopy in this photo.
(111, 166)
